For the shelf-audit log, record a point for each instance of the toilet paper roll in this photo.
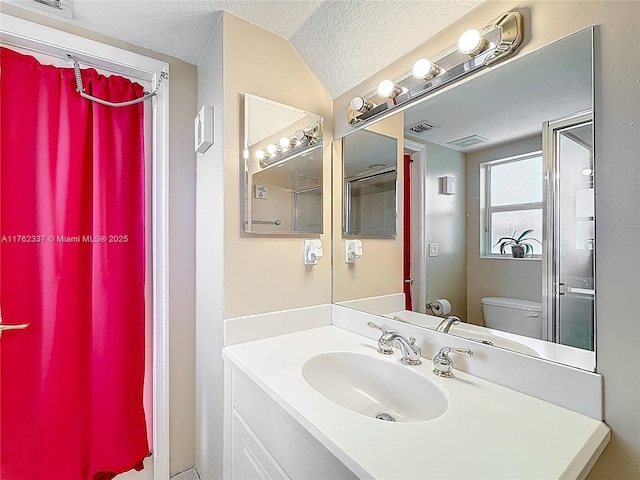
(441, 306)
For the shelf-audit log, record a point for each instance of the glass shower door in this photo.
(571, 255)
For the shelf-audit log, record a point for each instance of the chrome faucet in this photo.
(410, 351)
(442, 363)
(447, 323)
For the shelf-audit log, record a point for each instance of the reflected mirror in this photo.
(369, 195)
(497, 203)
(282, 160)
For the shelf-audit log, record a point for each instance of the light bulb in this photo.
(261, 155)
(359, 104)
(389, 89)
(425, 69)
(587, 171)
(273, 149)
(286, 142)
(301, 135)
(472, 42)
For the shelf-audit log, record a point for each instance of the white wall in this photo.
(209, 268)
(617, 143)
(181, 237)
(446, 275)
(487, 277)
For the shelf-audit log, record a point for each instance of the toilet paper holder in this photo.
(440, 307)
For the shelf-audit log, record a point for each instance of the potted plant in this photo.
(520, 246)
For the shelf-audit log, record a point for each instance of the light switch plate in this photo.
(433, 249)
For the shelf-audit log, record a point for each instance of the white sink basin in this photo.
(374, 387)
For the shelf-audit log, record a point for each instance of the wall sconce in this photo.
(300, 142)
(475, 50)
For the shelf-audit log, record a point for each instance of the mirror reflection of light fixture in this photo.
(301, 142)
(286, 142)
(425, 69)
(273, 149)
(309, 135)
(389, 89)
(472, 43)
(476, 49)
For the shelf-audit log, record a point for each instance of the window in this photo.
(511, 201)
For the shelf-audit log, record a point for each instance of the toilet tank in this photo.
(513, 315)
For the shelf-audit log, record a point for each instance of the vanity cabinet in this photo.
(265, 444)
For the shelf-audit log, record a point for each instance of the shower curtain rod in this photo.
(80, 88)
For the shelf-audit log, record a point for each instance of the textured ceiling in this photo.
(550, 83)
(342, 41)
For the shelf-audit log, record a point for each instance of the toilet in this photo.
(513, 315)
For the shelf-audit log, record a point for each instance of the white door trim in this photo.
(39, 38)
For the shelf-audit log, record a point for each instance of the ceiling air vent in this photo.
(468, 141)
(421, 127)
(51, 3)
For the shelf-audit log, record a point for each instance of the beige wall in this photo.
(617, 143)
(263, 274)
(446, 274)
(181, 236)
(488, 277)
(239, 274)
(379, 270)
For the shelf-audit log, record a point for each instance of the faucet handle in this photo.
(442, 363)
(384, 346)
(373, 325)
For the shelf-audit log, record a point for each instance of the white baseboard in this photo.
(190, 474)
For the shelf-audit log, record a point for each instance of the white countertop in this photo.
(487, 432)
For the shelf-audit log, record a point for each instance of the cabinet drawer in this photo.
(250, 458)
(291, 451)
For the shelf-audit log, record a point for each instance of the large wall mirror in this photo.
(499, 203)
(282, 159)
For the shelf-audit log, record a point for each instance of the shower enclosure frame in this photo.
(551, 285)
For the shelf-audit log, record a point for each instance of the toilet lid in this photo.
(513, 303)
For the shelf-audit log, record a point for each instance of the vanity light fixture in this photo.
(472, 43)
(475, 50)
(425, 69)
(361, 105)
(389, 89)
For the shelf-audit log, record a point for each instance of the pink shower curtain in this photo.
(73, 267)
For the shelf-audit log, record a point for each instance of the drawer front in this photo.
(292, 451)
(250, 458)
